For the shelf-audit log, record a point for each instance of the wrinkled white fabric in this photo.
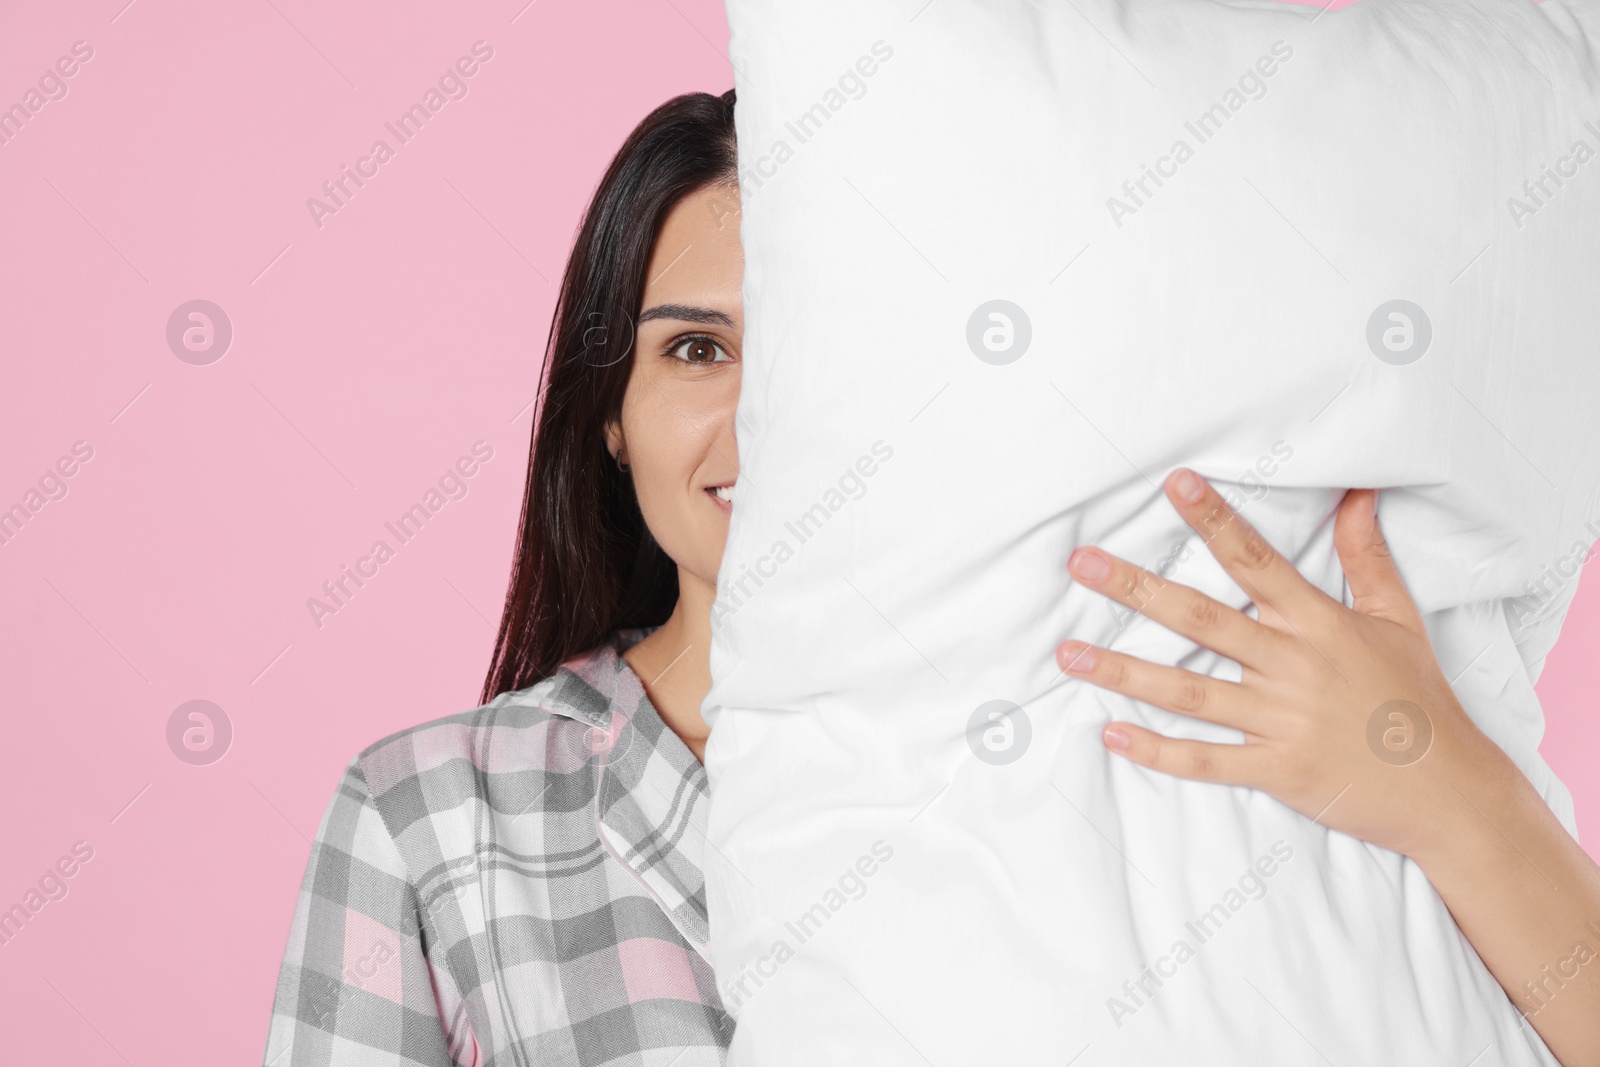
(909, 494)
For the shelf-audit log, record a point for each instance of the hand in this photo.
(1347, 716)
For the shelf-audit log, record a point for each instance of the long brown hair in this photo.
(585, 563)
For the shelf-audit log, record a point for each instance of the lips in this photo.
(721, 495)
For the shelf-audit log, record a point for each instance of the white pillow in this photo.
(1008, 263)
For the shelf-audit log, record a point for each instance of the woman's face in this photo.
(677, 412)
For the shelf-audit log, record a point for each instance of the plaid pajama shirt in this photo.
(519, 884)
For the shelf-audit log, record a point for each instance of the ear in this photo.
(613, 435)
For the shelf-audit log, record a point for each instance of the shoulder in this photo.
(526, 734)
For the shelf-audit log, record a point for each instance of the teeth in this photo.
(724, 492)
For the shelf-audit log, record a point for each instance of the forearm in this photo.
(1528, 899)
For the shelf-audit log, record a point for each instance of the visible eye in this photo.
(698, 348)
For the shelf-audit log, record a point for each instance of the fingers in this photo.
(1172, 688)
(1375, 582)
(1198, 761)
(1185, 611)
(1264, 575)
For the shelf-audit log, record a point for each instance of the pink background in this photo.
(368, 355)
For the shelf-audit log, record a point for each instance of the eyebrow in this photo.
(686, 313)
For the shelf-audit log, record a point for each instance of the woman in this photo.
(521, 883)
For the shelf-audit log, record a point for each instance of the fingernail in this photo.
(1115, 738)
(1189, 487)
(1089, 565)
(1078, 658)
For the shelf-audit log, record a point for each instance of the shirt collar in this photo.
(652, 791)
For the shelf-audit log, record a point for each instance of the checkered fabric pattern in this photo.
(515, 885)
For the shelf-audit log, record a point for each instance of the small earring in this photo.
(621, 464)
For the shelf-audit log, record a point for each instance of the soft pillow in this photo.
(1008, 263)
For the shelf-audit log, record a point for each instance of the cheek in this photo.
(675, 428)
(677, 425)
(689, 529)
(666, 447)
(664, 443)
(694, 406)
